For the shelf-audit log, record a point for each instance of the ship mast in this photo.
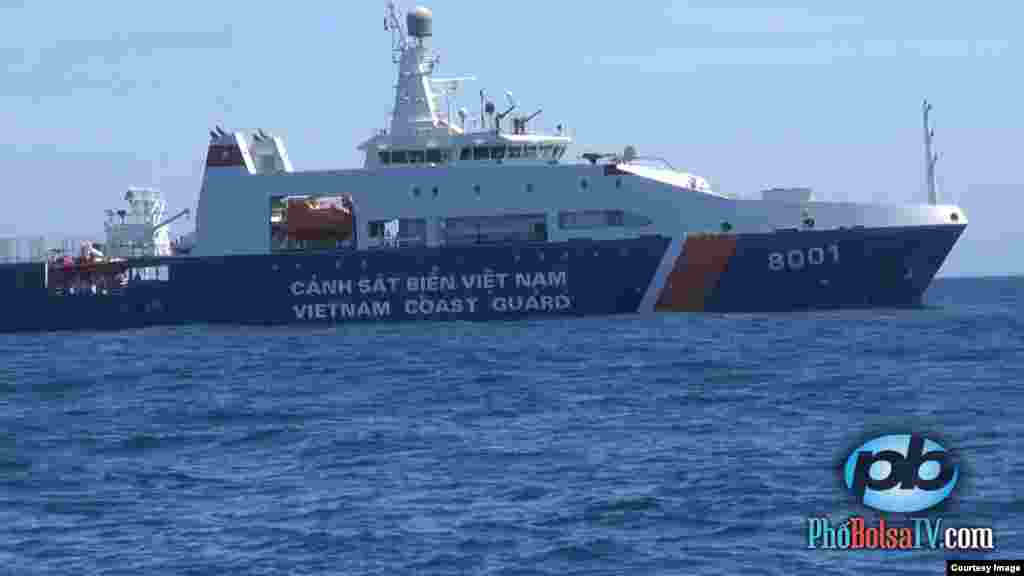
(930, 158)
(414, 109)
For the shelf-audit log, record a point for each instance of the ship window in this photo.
(398, 157)
(398, 232)
(376, 229)
(150, 274)
(416, 156)
(559, 150)
(481, 153)
(531, 152)
(434, 156)
(584, 219)
(498, 152)
(494, 229)
(515, 151)
(466, 153)
(385, 157)
(545, 152)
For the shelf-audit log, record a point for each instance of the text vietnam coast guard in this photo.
(539, 291)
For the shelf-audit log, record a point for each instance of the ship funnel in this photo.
(420, 22)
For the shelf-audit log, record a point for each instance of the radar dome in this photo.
(420, 22)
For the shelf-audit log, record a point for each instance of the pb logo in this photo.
(900, 473)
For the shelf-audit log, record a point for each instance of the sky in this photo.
(749, 94)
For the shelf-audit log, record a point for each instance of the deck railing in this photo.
(24, 249)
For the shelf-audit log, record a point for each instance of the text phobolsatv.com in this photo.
(902, 474)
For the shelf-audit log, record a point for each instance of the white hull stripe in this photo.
(668, 262)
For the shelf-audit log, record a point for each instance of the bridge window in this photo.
(494, 229)
(515, 151)
(531, 152)
(385, 157)
(398, 157)
(545, 152)
(498, 152)
(588, 219)
(466, 153)
(417, 156)
(434, 156)
(481, 153)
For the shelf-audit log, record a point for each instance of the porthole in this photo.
(584, 183)
(416, 191)
(435, 191)
(618, 183)
(476, 189)
(954, 217)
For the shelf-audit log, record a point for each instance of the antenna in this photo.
(930, 158)
(483, 105)
(511, 106)
(393, 24)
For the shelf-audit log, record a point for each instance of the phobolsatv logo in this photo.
(900, 473)
(905, 474)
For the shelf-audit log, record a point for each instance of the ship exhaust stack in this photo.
(930, 158)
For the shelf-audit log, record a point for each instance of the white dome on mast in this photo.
(420, 22)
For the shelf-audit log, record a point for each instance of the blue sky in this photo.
(104, 96)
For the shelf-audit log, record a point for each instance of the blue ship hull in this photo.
(781, 271)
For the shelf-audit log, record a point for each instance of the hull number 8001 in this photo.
(798, 259)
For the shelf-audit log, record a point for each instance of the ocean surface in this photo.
(669, 444)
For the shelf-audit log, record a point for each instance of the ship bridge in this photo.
(424, 131)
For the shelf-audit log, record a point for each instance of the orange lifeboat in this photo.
(310, 219)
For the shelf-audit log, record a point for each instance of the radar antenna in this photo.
(399, 39)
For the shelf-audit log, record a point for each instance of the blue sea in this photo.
(667, 444)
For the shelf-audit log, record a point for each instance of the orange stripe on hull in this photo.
(696, 272)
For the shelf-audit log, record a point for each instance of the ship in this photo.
(464, 217)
